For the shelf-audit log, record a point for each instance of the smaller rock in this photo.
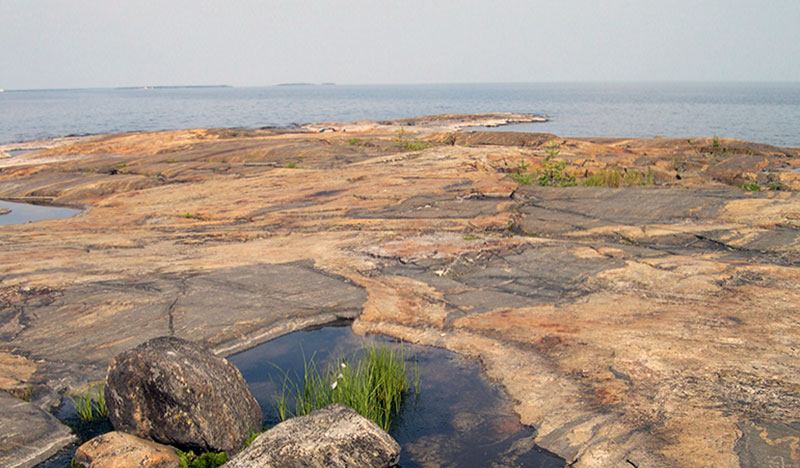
(4, 211)
(121, 450)
(333, 437)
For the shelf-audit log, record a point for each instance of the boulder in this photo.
(176, 392)
(121, 450)
(335, 436)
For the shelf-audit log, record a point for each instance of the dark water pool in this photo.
(21, 213)
(458, 419)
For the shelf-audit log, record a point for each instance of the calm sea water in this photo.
(762, 112)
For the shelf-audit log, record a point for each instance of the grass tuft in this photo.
(91, 405)
(411, 144)
(751, 187)
(373, 384)
(615, 178)
(552, 174)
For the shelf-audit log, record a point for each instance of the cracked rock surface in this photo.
(646, 325)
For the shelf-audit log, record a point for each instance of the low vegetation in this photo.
(553, 173)
(374, 384)
(408, 143)
(751, 187)
(91, 405)
(617, 178)
(205, 460)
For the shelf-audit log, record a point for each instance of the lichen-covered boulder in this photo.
(333, 437)
(120, 450)
(176, 392)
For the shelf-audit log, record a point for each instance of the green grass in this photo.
(354, 142)
(615, 178)
(751, 187)
(204, 460)
(552, 174)
(91, 405)
(715, 142)
(411, 144)
(374, 384)
(415, 145)
(291, 165)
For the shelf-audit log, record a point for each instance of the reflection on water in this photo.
(21, 213)
(458, 418)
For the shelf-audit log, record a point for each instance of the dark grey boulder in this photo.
(176, 392)
(333, 437)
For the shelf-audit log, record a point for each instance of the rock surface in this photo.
(332, 437)
(28, 435)
(647, 325)
(178, 393)
(121, 450)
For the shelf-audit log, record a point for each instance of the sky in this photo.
(100, 43)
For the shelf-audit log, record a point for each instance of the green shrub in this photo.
(715, 142)
(751, 187)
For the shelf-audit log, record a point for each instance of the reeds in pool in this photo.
(373, 383)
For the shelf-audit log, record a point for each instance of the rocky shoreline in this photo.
(648, 322)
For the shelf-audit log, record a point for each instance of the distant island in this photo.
(174, 87)
(306, 84)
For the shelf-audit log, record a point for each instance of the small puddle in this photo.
(457, 419)
(19, 152)
(22, 213)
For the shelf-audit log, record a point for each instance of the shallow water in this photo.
(22, 213)
(457, 419)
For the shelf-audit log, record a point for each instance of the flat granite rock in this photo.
(642, 325)
(28, 435)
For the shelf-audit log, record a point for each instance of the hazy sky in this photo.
(94, 43)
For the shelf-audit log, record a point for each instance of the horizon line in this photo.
(332, 84)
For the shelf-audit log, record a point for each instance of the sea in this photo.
(760, 112)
